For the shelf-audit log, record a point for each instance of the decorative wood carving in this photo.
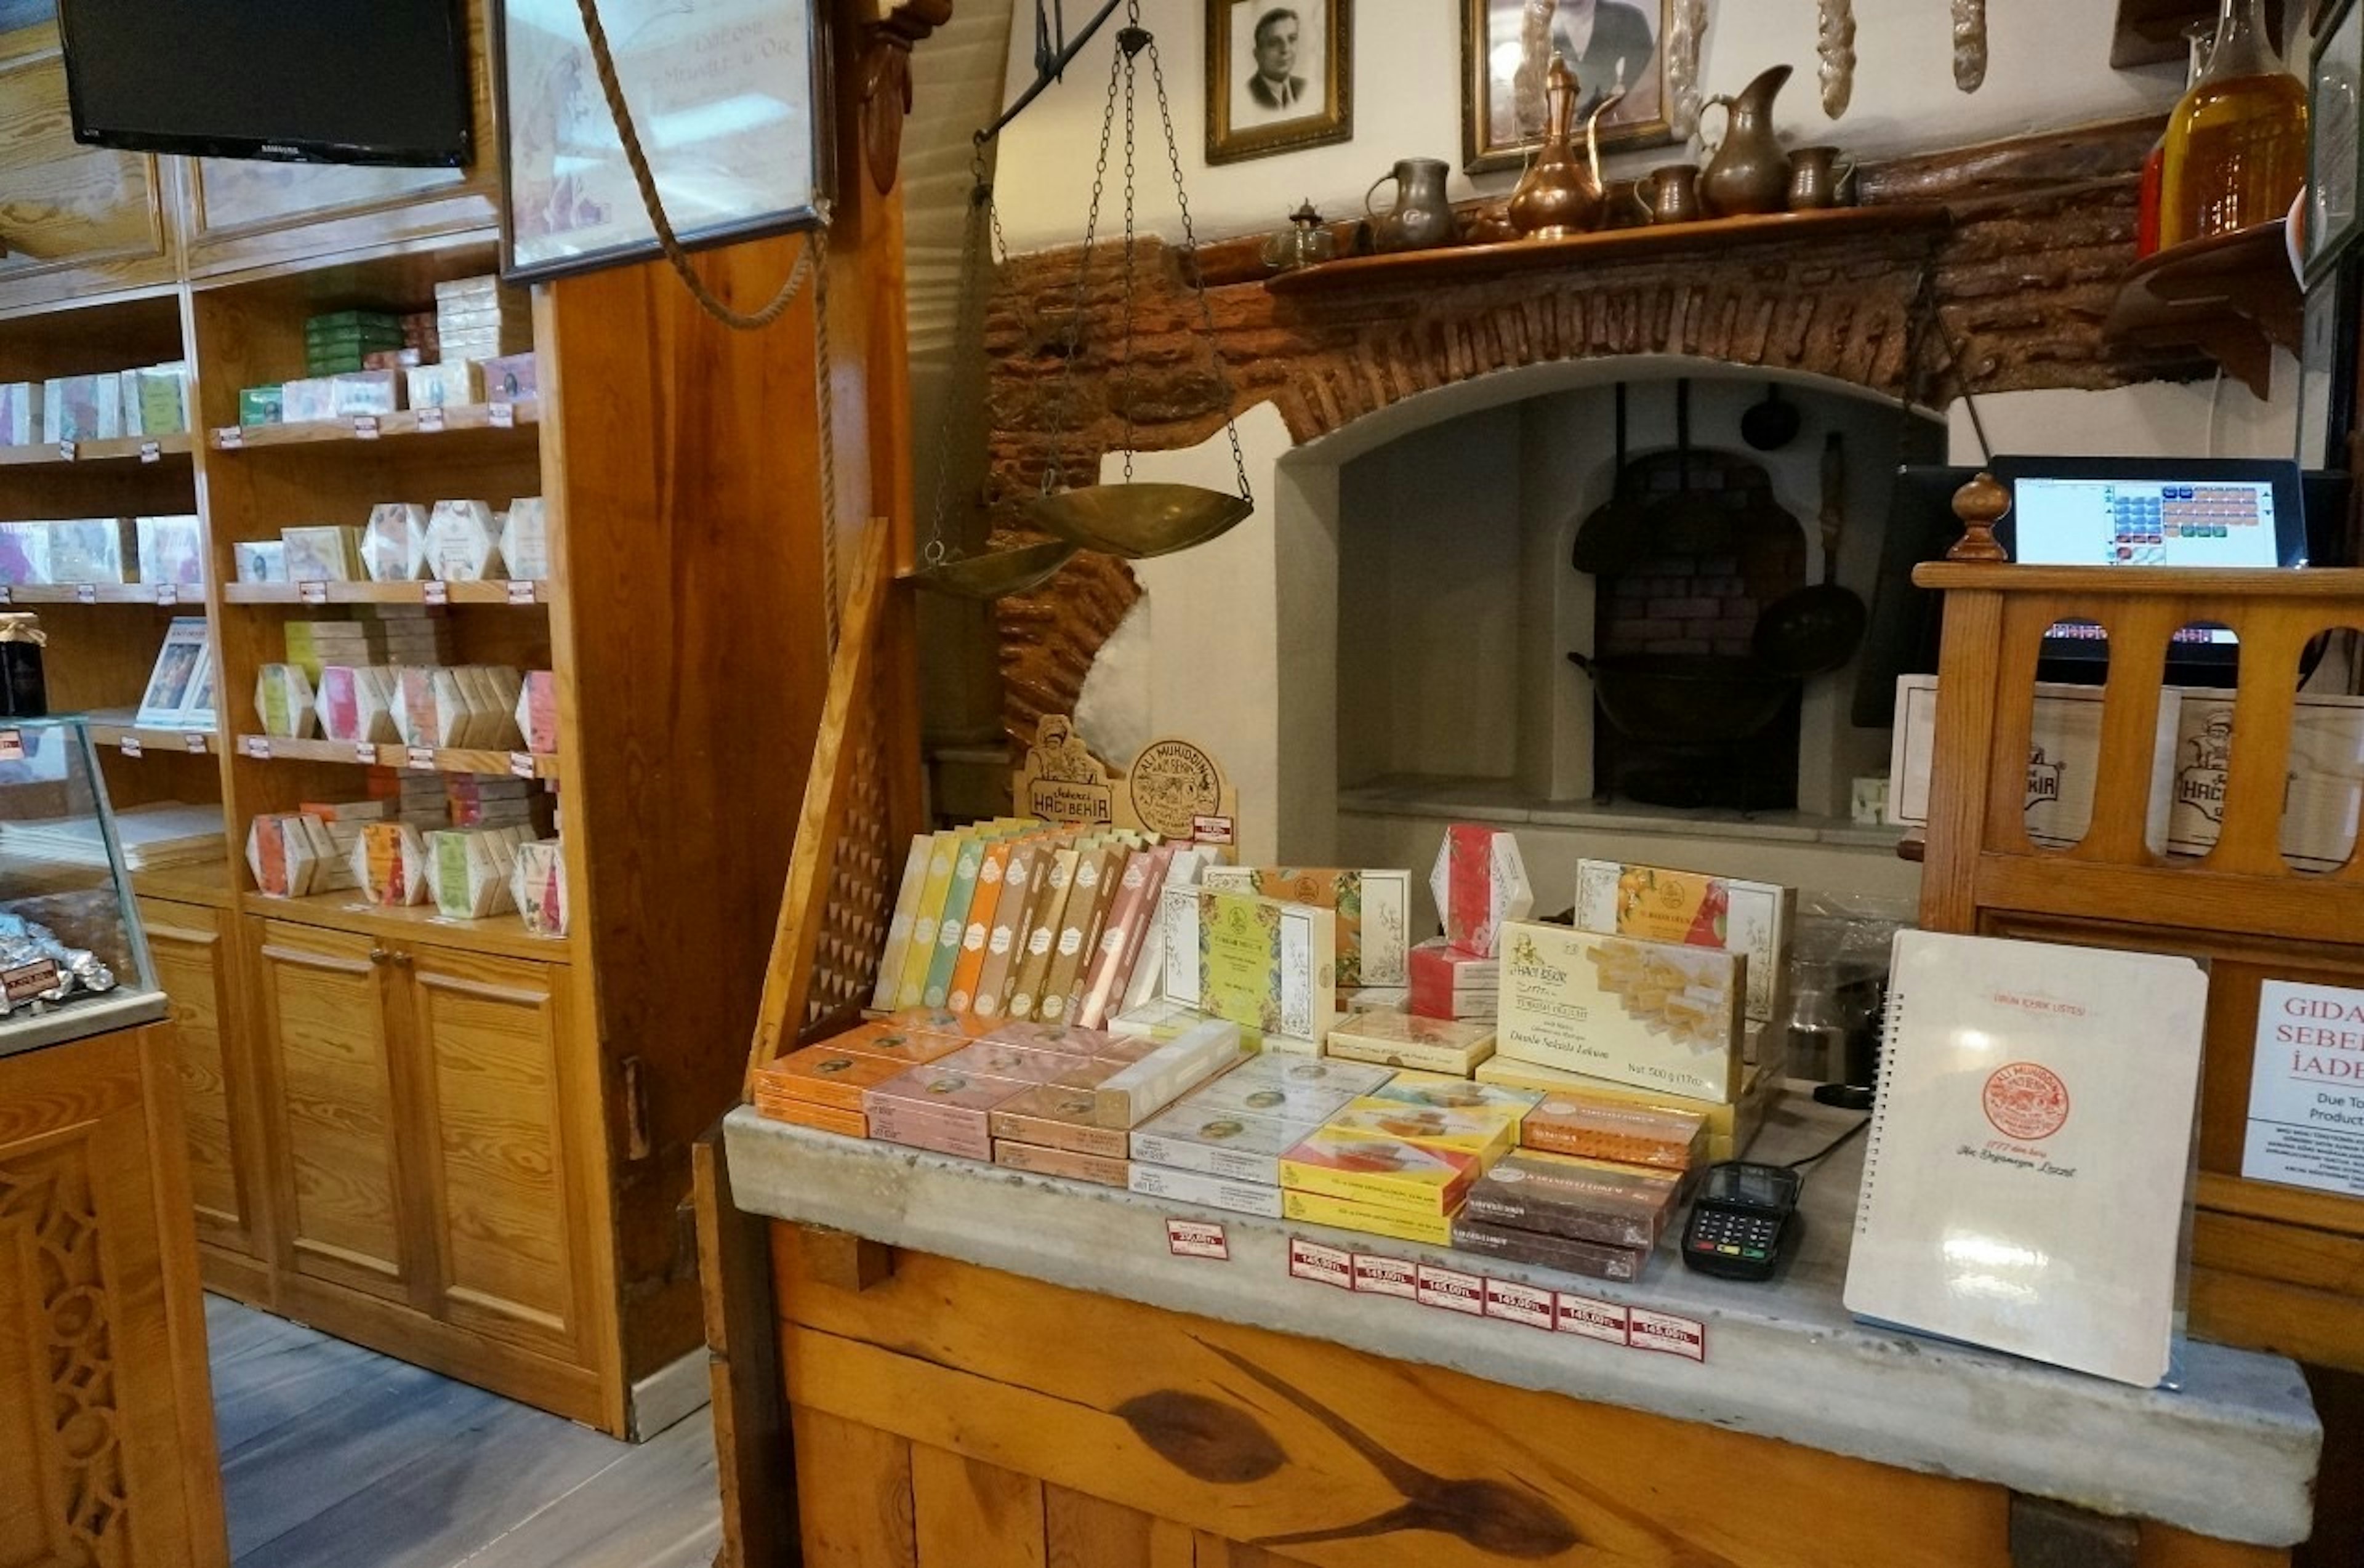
(886, 65)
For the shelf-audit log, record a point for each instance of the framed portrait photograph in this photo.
(1279, 76)
(2333, 148)
(727, 98)
(1507, 47)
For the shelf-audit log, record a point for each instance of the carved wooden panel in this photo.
(330, 1066)
(486, 1034)
(74, 217)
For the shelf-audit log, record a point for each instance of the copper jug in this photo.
(1561, 193)
(1423, 215)
(1747, 172)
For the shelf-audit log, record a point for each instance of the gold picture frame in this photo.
(1313, 102)
(1502, 76)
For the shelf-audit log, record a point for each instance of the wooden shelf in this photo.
(189, 595)
(115, 449)
(206, 883)
(2231, 297)
(440, 760)
(142, 741)
(502, 934)
(1470, 263)
(500, 591)
(488, 418)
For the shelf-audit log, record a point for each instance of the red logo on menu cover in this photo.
(2026, 1101)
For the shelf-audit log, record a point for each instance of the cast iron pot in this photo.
(1686, 698)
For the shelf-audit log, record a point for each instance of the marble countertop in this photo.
(79, 1019)
(2233, 1454)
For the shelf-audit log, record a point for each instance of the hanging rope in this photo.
(604, 62)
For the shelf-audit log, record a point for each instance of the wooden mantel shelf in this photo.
(2232, 296)
(2306, 582)
(1471, 263)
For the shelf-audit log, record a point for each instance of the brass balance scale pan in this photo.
(1136, 521)
(996, 573)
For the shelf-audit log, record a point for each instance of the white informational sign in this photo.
(2306, 1089)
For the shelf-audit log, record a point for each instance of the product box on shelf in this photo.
(1267, 965)
(261, 405)
(324, 553)
(1447, 983)
(20, 413)
(1095, 883)
(1054, 1115)
(162, 394)
(82, 409)
(1578, 1199)
(1630, 1135)
(525, 539)
(446, 385)
(1389, 1173)
(1664, 905)
(1141, 1088)
(1032, 964)
(283, 701)
(1004, 927)
(172, 549)
(23, 554)
(1212, 1191)
(941, 1021)
(365, 391)
(262, 561)
(808, 1113)
(1308, 1089)
(1218, 1142)
(1039, 1161)
(1479, 882)
(2322, 793)
(92, 549)
(282, 851)
(180, 687)
(538, 886)
(1595, 1260)
(1371, 1218)
(389, 863)
(1485, 1132)
(1449, 1091)
(393, 542)
(1072, 1039)
(951, 924)
(1122, 934)
(1661, 1015)
(307, 400)
(512, 378)
(826, 1075)
(1404, 1040)
(984, 1058)
(463, 542)
(537, 712)
(933, 1107)
(355, 703)
(469, 870)
(1373, 910)
(897, 1042)
(2064, 755)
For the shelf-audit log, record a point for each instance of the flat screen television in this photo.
(315, 80)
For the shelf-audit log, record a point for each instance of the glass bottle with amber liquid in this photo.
(2237, 142)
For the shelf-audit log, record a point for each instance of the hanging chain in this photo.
(603, 62)
(825, 397)
(1131, 241)
(1055, 476)
(969, 333)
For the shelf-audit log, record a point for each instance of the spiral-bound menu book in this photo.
(2030, 1150)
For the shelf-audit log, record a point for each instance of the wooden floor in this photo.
(337, 1457)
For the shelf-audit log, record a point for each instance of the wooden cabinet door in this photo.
(106, 1437)
(196, 966)
(75, 219)
(488, 1037)
(330, 1072)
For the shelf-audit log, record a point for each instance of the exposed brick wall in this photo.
(2023, 281)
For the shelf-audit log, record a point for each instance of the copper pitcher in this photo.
(1669, 194)
(1561, 193)
(1747, 172)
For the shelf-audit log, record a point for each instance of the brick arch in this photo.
(2022, 288)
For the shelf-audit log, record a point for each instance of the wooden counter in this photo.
(1030, 1375)
(106, 1426)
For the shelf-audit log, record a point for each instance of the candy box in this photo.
(1659, 904)
(282, 850)
(1373, 909)
(1480, 882)
(984, 1059)
(1658, 1015)
(283, 700)
(308, 399)
(262, 561)
(1067, 1037)
(538, 886)
(1299, 1090)
(92, 549)
(469, 870)
(511, 378)
(1444, 1090)
(1631, 1135)
(23, 554)
(1447, 983)
(355, 703)
(1053, 1116)
(463, 543)
(940, 1020)
(1486, 1132)
(172, 550)
(261, 405)
(1387, 1171)
(1214, 1192)
(1731, 1127)
(1036, 1160)
(448, 386)
(20, 413)
(393, 543)
(389, 864)
(525, 539)
(1403, 1040)
(324, 552)
(1538, 1192)
(1217, 1142)
(826, 1075)
(894, 1043)
(1375, 1220)
(1138, 1088)
(1595, 1260)
(806, 1113)
(947, 1110)
(82, 409)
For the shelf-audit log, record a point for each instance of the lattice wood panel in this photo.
(861, 885)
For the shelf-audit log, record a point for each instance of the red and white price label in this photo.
(257, 747)
(434, 593)
(129, 746)
(421, 757)
(1516, 1303)
(1323, 1265)
(230, 437)
(500, 416)
(1196, 1238)
(85, 593)
(1452, 1291)
(168, 595)
(196, 742)
(366, 752)
(365, 426)
(522, 593)
(312, 593)
(1665, 1331)
(431, 421)
(68, 451)
(1595, 1319)
(521, 765)
(151, 452)
(1377, 1274)
(37, 978)
(1210, 829)
(12, 745)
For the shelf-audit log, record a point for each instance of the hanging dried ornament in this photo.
(1684, 37)
(1835, 46)
(1970, 44)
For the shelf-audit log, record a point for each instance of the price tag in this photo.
(500, 416)
(150, 451)
(366, 752)
(195, 742)
(1333, 1266)
(430, 420)
(85, 593)
(7, 594)
(1450, 1290)
(522, 593)
(257, 747)
(1665, 1332)
(365, 426)
(67, 451)
(420, 756)
(230, 437)
(312, 593)
(434, 592)
(168, 593)
(12, 745)
(130, 745)
(23, 983)
(1196, 1238)
(522, 765)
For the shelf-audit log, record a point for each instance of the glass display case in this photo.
(74, 961)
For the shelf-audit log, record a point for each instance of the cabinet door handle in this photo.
(379, 955)
(402, 960)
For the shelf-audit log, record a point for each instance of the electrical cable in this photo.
(1833, 1147)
